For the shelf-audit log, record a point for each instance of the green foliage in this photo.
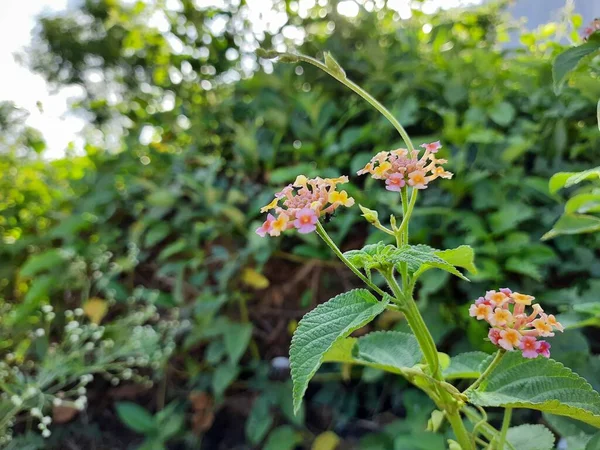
(568, 60)
(168, 223)
(530, 437)
(541, 384)
(467, 365)
(321, 328)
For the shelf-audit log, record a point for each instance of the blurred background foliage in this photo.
(190, 134)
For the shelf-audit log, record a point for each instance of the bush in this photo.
(167, 221)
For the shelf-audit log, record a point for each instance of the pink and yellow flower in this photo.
(300, 204)
(306, 220)
(512, 327)
(400, 167)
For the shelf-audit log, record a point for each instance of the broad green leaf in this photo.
(568, 60)
(540, 383)
(583, 203)
(573, 224)
(388, 350)
(578, 177)
(502, 113)
(136, 417)
(318, 331)
(420, 258)
(341, 351)
(594, 442)
(259, 421)
(41, 262)
(530, 437)
(467, 365)
(236, 339)
(223, 376)
(558, 180)
(283, 438)
(462, 256)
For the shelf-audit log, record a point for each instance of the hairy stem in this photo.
(504, 429)
(321, 232)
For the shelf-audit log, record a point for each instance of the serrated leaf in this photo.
(136, 417)
(568, 60)
(388, 350)
(318, 331)
(573, 224)
(47, 260)
(420, 258)
(462, 256)
(530, 437)
(467, 365)
(541, 384)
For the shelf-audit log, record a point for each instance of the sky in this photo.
(19, 85)
(26, 89)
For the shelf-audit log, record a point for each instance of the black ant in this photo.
(328, 217)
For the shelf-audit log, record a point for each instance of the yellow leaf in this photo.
(326, 441)
(254, 279)
(95, 309)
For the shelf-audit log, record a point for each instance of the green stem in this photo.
(360, 91)
(321, 232)
(487, 371)
(504, 429)
(404, 225)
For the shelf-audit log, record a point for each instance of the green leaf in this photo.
(40, 288)
(333, 65)
(47, 260)
(558, 180)
(573, 224)
(583, 203)
(467, 365)
(568, 179)
(136, 418)
(259, 421)
(236, 339)
(462, 256)
(420, 258)
(502, 113)
(568, 60)
(530, 437)
(318, 331)
(391, 351)
(594, 442)
(541, 384)
(283, 438)
(157, 233)
(372, 256)
(223, 376)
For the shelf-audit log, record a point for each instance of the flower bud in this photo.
(369, 214)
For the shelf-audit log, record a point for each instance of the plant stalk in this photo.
(323, 234)
(504, 429)
(487, 371)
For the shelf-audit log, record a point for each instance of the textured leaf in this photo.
(530, 437)
(467, 365)
(568, 60)
(388, 350)
(540, 383)
(372, 256)
(462, 256)
(136, 417)
(318, 331)
(420, 258)
(573, 224)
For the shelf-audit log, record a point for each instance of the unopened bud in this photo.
(369, 214)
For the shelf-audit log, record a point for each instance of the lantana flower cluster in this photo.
(400, 167)
(513, 328)
(300, 205)
(591, 29)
